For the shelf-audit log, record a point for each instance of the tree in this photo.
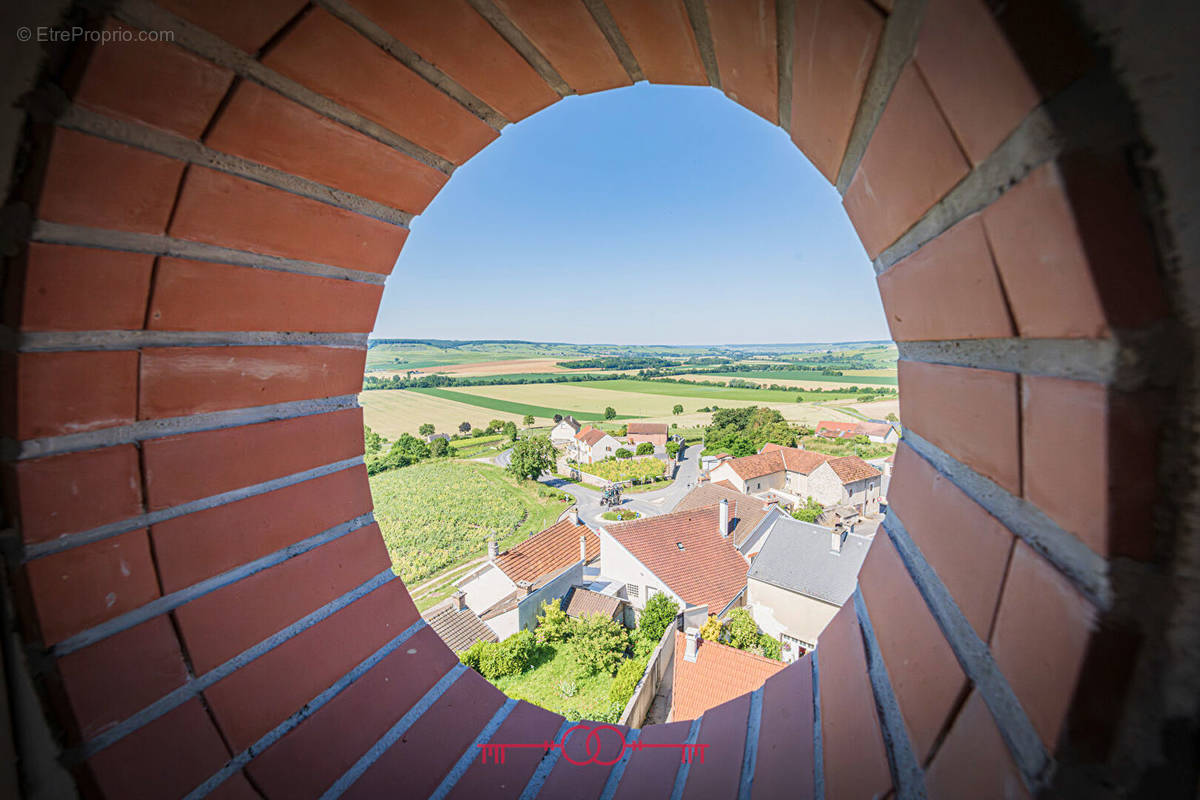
(672, 448)
(623, 453)
(529, 420)
(372, 441)
(495, 426)
(610, 413)
(510, 430)
(678, 409)
(657, 616)
(439, 448)
(645, 449)
(426, 429)
(861, 439)
(891, 417)
(599, 644)
(553, 624)
(557, 418)
(741, 630)
(464, 427)
(809, 512)
(531, 457)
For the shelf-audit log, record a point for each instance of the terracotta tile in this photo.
(265, 692)
(948, 289)
(423, 756)
(227, 211)
(179, 469)
(86, 585)
(179, 93)
(973, 761)
(569, 38)
(660, 35)
(266, 127)
(723, 729)
(329, 57)
(201, 296)
(833, 48)
(455, 38)
(219, 625)
(785, 766)
(924, 672)
(1041, 636)
(911, 162)
(855, 761)
(744, 39)
(116, 677)
(651, 773)
(196, 546)
(1042, 262)
(965, 545)
(177, 381)
(964, 57)
(166, 758)
(101, 184)
(582, 781)
(77, 491)
(49, 400)
(969, 413)
(526, 724)
(330, 741)
(61, 284)
(245, 25)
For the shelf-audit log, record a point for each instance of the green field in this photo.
(805, 375)
(436, 514)
(687, 390)
(508, 405)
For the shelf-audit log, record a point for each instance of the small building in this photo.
(654, 432)
(457, 625)
(581, 602)
(847, 481)
(429, 439)
(563, 432)
(776, 467)
(878, 432)
(707, 674)
(592, 445)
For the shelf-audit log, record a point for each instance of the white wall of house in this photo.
(797, 484)
(556, 587)
(561, 434)
(603, 448)
(619, 564)
(486, 587)
(504, 625)
(865, 493)
(825, 486)
(724, 472)
(778, 611)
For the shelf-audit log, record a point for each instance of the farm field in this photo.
(436, 514)
(718, 393)
(624, 469)
(391, 412)
(857, 376)
(592, 398)
(878, 409)
(799, 384)
(509, 406)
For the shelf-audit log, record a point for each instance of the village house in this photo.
(507, 592)
(431, 437)
(653, 432)
(688, 555)
(801, 577)
(591, 445)
(878, 432)
(581, 602)
(707, 674)
(774, 467)
(457, 625)
(563, 432)
(747, 515)
(847, 481)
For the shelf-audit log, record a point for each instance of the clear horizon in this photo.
(618, 217)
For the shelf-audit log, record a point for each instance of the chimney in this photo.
(460, 600)
(493, 549)
(693, 642)
(724, 517)
(836, 538)
(583, 548)
(573, 515)
(525, 587)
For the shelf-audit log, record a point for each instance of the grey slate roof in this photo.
(797, 557)
(459, 629)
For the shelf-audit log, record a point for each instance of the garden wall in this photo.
(656, 668)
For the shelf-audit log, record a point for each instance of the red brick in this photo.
(330, 58)
(910, 163)
(1040, 641)
(248, 26)
(116, 677)
(973, 761)
(196, 546)
(222, 624)
(179, 469)
(74, 392)
(526, 724)
(167, 758)
(924, 672)
(101, 184)
(455, 38)
(1042, 262)
(266, 127)
(723, 729)
(77, 491)
(976, 78)
(744, 39)
(784, 766)
(660, 35)
(225, 210)
(651, 773)
(86, 585)
(965, 545)
(177, 381)
(201, 296)
(569, 38)
(971, 414)
(833, 48)
(235, 787)
(954, 274)
(330, 741)
(855, 761)
(155, 83)
(582, 781)
(423, 756)
(260, 695)
(61, 284)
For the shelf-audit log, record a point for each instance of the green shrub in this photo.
(623, 453)
(495, 660)
(809, 511)
(599, 643)
(771, 647)
(672, 448)
(553, 624)
(658, 615)
(741, 629)
(628, 675)
(472, 654)
(645, 449)
(712, 629)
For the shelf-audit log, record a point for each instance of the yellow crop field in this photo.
(391, 412)
(574, 397)
(799, 384)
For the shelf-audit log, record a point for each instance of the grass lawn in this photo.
(508, 406)
(843, 447)
(620, 515)
(555, 683)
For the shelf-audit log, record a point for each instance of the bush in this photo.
(771, 647)
(623, 453)
(628, 675)
(495, 660)
(712, 629)
(809, 511)
(472, 654)
(866, 398)
(658, 615)
(645, 449)
(599, 643)
(672, 448)
(610, 413)
(439, 448)
(553, 624)
(741, 629)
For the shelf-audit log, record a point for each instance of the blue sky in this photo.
(646, 215)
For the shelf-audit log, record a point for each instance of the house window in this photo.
(631, 589)
(650, 592)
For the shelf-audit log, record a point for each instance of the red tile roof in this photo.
(836, 429)
(590, 435)
(719, 674)
(776, 458)
(852, 468)
(581, 602)
(706, 571)
(647, 428)
(726, 484)
(745, 512)
(548, 552)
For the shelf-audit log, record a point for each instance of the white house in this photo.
(775, 467)
(878, 432)
(847, 481)
(592, 445)
(563, 433)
